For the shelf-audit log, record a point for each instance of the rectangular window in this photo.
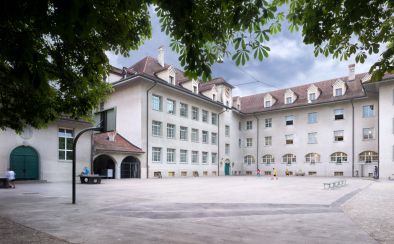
(156, 128)
(239, 125)
(312, 138)
(195, 113)
(368, 133)
(183, 156)
(156, 102)
(239, 143)
(268, 123)
(268, 140)
(267, 104)
(170, 106)
(289, 120)
(289, 100)
(338, 135)
(249, 125)
(312, 96)
(172, 80)
(289, 139)
(214, 118)
(204, 157)
(213, 138)
(156, 154)
(214, 157)
(249, 142)
(65, 144)
(338, 92)
(183, 133)
(170, 155)
(195, 137)
(204, 116)
(339, 114)
(171, 131)
(227, 130)
(368, 111)
(195, 157)
(338, 173)
(227, 149)
(183, 110)
(312, 118)
(205, 138)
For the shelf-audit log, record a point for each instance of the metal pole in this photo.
(74, 157)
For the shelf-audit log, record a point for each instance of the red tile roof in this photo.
(255, 103)
(120, 144)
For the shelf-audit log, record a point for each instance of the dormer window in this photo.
(172, 80)
(269, 101)
(312, 97)
(289, 100)
(338, 92)
(195, 89)
(267, 104)
(313, 93)
(214, 97)
(290, 97)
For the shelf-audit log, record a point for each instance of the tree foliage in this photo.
(52, 55)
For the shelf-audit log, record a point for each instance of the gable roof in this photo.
(255, 103)
(120, 144)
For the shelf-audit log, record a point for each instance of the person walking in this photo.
(275, 174)
(258, 172)
(11, 177)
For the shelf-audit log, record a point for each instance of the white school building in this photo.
(170, 126)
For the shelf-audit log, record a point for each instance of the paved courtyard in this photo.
(205, 210)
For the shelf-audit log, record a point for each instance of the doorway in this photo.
(24, 162)
(227, 168)
(130, 168)
(104, 165)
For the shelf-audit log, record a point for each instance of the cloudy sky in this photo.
(290, 63)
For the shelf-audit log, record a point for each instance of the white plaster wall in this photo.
(45, 142)
(113, 77)
(386, 133)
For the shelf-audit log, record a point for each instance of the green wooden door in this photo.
(24, 161)
(227, 169)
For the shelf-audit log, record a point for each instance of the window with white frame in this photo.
(213, 138)
(156, 102)
(156, 128)
(249, 125)
(170, 155)
(183, 133)
(156, 154)
(171, 131)
(368, 111)
(249, 142)
(214, 118)
(268, 159)
(205, 138)
(249, 159)
(289, 139)
(312, 138)
(204, 157)
(338, 92)
(239, 143)
(214, 97)
(289, 120)
(338, 114)
(289, 158)
(312, 96)
(183, 156)
(368, 157)
(195, 89)
(267, 104)
(195, 137)
(268, 123)
(338, 157)
(170, 106)
(368, 133)
(183, 110)
(195, 113)
(227, 130)
(268, 140)
(172, 80)
(239, 125)
(65, 146)
(312, 158)
(214, 157)
(312, 118)
(227, 149)
(338, 135)
(195, 157)
(289, 100)
(204, 116)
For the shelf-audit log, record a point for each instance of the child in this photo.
(275, 174)
(11, 177)
(258, 172)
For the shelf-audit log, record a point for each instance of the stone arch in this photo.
(130, 168)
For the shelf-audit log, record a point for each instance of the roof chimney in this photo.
(160, 57)
(352, 74)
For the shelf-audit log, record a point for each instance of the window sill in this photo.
(64, 161)
(171, 163)
(183, 163)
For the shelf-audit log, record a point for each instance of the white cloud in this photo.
(285, 48)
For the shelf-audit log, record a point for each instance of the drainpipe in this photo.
(147, 129)
(219, 139)
(257, 147)
(351, 101)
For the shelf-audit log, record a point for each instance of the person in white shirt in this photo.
(11, 177)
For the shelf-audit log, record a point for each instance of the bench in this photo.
(90, 179)
(4, 183)
(334, 184)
